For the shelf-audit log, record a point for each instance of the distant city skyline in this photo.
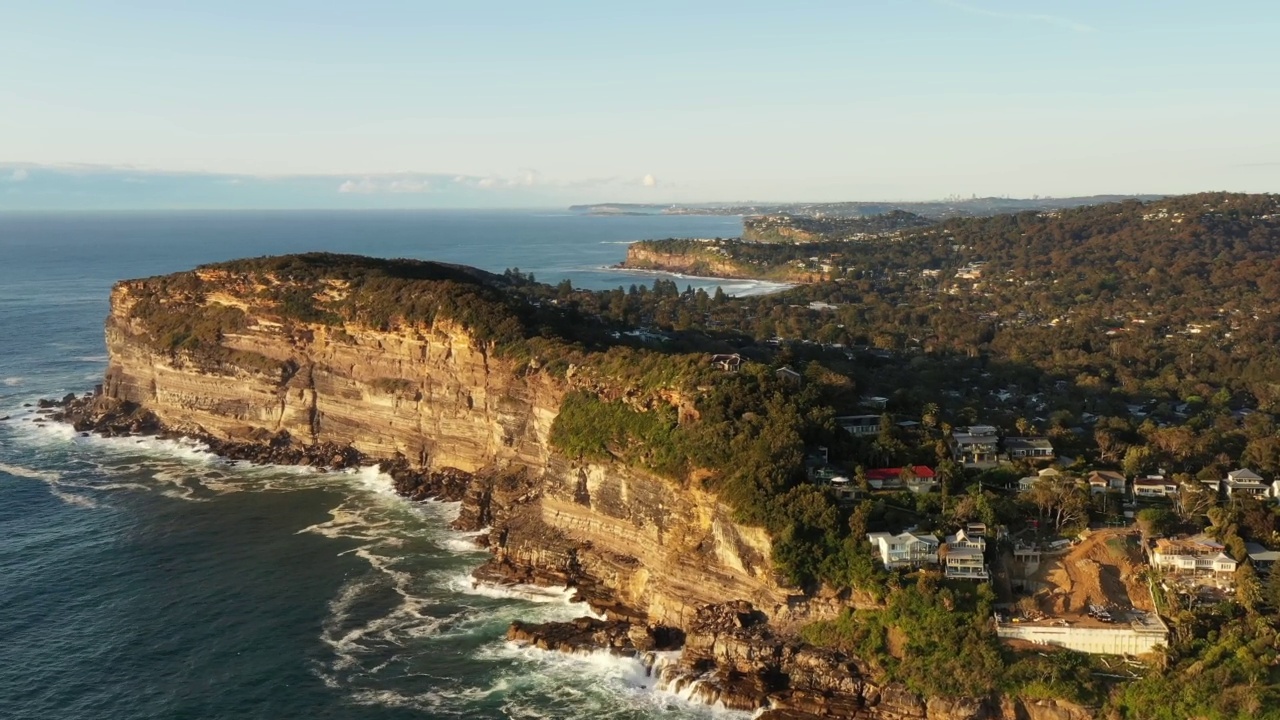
(393, 103)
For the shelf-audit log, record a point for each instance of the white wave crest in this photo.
(29, 473)
(73, 499)
(733, 287)
(53, 481)
(12, 381)
(584, 685)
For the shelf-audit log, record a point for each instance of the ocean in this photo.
(142, 578)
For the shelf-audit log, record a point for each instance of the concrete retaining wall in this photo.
(1104, 641)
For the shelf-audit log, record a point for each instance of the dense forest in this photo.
(1138, 337)
(793, 228)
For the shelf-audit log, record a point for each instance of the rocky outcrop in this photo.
(709, 259)
(702, 262)
(730, 656)
(451, 419)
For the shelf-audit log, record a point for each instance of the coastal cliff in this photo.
(437, 397)
(694, 260)
(711, 258)
(442, 374)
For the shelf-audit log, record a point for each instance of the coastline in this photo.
(729, 656)
(764, 287)
(600, 626)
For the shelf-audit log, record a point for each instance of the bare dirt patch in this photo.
(1103, 570)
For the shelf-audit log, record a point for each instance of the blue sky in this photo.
(506, 104)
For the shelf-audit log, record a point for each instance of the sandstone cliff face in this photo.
(706, 264)
(440, 399)
(640, 257)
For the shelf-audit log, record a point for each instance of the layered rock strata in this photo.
(432, 400)
(447, 418)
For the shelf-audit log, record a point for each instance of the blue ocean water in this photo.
(149, 579)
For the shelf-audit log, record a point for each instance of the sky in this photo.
(496, 103)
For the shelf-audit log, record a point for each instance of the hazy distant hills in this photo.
(938, 209)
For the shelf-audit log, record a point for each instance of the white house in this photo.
(1247, 482)
(1104, 481)
(1048, 475)
(966, 539)
(860, 425)
(1028, 448)
(964, 557)
(976, 446)
(1154, 486)
(905, 549)
(1199, 555)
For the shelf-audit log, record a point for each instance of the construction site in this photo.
(1091, 595)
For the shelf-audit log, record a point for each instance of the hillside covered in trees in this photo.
(1137, 337)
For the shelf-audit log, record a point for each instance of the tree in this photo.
(1155, 522)
(1194, 499)
(929, 415)
(1109, 446)
(907, 475)
(1024, 426)
(1248, 588)
(1137, 460)
(859, 520)
(1065, 503)
(860, 476)
(1271, 590)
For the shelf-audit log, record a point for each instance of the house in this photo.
(727, 363)
(787, 375)
(1214, 485)
(977, 446)
(875, 401)
(1198, 555)
(1047, 474)
(1246, 482)
(1028, 448)
(905, 549)
(1154, 486)
(964, 556)
(1105, 481)
(920, 479)
(845, 488)
(859, 425)
(966, 539)
(1262, 558)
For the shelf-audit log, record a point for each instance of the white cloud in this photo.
(521, 181)
(1035, 17)
(19, 175)
(408, 186)
(364, 186)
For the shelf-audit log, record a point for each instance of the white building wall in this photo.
(1102, 641)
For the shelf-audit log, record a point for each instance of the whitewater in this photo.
(145, 578)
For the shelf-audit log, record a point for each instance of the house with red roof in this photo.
(919, 479)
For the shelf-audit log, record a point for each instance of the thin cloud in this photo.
(364, 186)
(1061, 22)
(19, 175)
(409, 186)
